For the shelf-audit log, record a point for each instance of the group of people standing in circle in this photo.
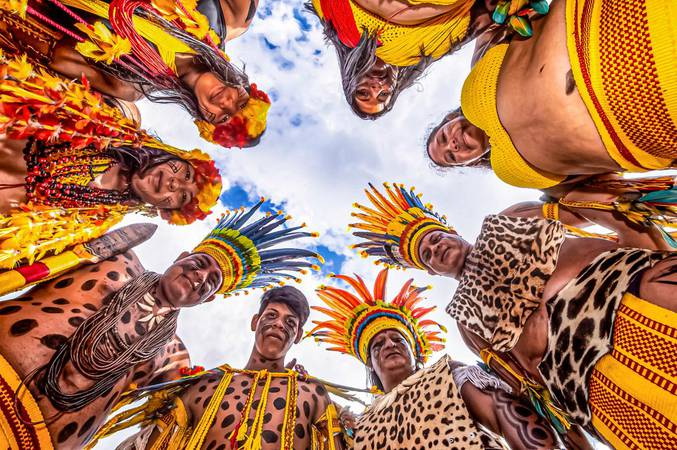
(576, 329)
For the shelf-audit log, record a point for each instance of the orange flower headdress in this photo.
(244, 128)
(47, 108)
(357, 317)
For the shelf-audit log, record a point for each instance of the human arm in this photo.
(72, 64)
(514, 419)
(238, 15)
(326, 419)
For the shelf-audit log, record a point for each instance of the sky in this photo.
(314, 161)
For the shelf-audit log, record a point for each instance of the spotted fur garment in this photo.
(581, 324)
(504, 277)
(425, 411)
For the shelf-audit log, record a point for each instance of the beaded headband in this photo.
(358, 316)
(392, 231)
(243, 252)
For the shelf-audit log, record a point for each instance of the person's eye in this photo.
(187, 175)
(383, 96)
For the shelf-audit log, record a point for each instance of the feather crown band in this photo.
(393, 228)
(244, 128)
(358, 316)
(243, 250)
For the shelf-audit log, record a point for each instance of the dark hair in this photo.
(483, 162)
(170, 89)
(289, 296)
(354, 63)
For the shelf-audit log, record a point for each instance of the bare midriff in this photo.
(401, 12)
(540, 107)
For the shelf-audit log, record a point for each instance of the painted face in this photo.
(375, 90)
(443, 253)
(457, 143)
(277, 329)
(169, 185)
(191, 280)
(218, 101)
(390, 353)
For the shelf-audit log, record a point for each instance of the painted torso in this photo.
(33, 325)
(311, 404)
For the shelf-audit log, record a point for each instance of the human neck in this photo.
(185, 69)
(467, 249)
(258, 362)
(113, 179)
(392, 381)
(161, 299)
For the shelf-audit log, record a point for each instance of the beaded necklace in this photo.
(59, 175)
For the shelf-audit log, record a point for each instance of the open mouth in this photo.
(158, 182)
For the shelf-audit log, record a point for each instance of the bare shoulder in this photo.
(524, 209)
(659, 284)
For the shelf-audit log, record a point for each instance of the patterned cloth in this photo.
(424, 411)
(633, 388)
(15, 432)
(622, 55)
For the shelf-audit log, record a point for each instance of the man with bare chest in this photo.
(39, 327)
(265, 403)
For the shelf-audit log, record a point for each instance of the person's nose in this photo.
(199, 277)
(172, 184)
(228, 104)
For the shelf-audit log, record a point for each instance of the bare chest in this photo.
(277, 413)
(540, 107)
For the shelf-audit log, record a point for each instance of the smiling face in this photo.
(375, 90)
(168, 185)
(276, 329)
(443, 253)
(391, 357)
(191, 280)
(218, 101)
(457, 143)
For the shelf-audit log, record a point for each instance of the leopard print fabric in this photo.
(504, 277)
(425, 411)
(581, 324)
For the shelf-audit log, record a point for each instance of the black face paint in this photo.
(174, 166)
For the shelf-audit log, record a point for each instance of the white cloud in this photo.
(318, 170)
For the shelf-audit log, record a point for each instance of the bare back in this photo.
(558, 134)
(12, 174)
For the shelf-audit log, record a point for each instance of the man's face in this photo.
(192, 279)
(375, 90)
(390, 355)
(276, 329)
(443, 253)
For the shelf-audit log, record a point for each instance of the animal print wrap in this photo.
(424, 411)
(504, 277)
(581, 324)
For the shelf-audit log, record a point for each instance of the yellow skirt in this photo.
(16, 432)
(623, 54)
(633, 389)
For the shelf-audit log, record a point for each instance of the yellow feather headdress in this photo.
(357, 317)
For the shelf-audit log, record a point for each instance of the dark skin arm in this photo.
(236, 15)
(515, 420)
(72, 64)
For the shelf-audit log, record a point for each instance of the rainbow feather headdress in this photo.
(357, 317)
(393, 230)
(242, 250)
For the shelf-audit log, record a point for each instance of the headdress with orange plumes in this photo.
(243, 128)
(242, 250)
(394, 229)
(38, 105)
(356, 317)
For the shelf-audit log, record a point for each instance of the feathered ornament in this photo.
(516, 14)
(358, 316)
(244, 251)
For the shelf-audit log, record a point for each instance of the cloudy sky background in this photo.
(314, 162)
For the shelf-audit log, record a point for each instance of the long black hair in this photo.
(170, 89)
(354, 63)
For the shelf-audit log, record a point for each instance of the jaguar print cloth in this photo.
(581, 323)
(425, 411)
(504, 277)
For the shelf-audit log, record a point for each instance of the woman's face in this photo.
(390, 355)
(456, 143)
(168, 185)
(443, 253)
(218, 101)
(375, 90)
